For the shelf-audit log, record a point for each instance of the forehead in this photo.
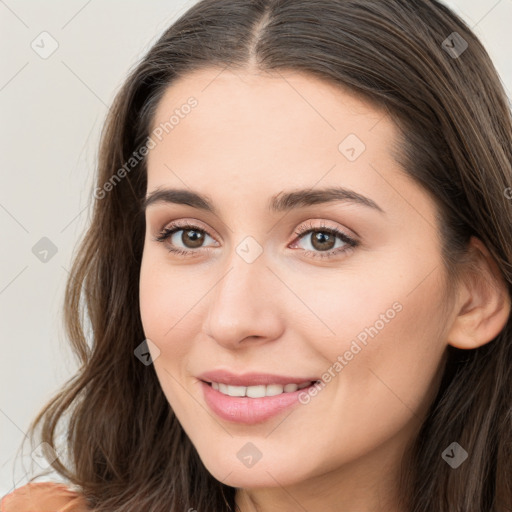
(226, 98)
(256, 122)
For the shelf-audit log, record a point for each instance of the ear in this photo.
(484, 301)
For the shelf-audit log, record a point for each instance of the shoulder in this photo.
(43, 497)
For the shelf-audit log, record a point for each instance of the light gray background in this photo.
(52, 112)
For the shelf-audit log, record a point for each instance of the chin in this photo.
(267, 473)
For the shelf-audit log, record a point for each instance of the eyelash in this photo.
(351, 244)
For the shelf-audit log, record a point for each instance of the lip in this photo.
(246, 410)
(252, 379)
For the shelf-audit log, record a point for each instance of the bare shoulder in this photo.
(43, 497)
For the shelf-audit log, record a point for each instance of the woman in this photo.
(298, 271)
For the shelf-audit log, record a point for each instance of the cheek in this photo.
(170, 309)
(152, 298)
(166, 296)
(382, 368)
(163, 316)
(391, 361)
(336, 310)
(380, 333)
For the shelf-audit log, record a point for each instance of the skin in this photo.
(251, 136)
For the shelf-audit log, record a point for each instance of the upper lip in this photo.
(251, 379)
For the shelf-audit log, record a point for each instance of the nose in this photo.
(244, 305)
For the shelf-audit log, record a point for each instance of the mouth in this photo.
(260, 399)
(253, 397)
(258, 391)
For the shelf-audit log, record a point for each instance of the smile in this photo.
(249, 405)
(257, 391)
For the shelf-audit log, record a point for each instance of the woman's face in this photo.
(267, 287)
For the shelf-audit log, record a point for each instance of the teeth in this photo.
(257, 391)
(235, 390)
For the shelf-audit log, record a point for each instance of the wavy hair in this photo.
(125, 449)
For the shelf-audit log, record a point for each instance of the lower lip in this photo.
(248, 410)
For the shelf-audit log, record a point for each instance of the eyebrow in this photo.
(284, 201)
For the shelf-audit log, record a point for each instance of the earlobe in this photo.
(485, 310)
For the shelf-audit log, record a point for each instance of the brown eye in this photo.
(192, 238)
(322, 241)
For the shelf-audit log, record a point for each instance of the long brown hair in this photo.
(125, 447)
